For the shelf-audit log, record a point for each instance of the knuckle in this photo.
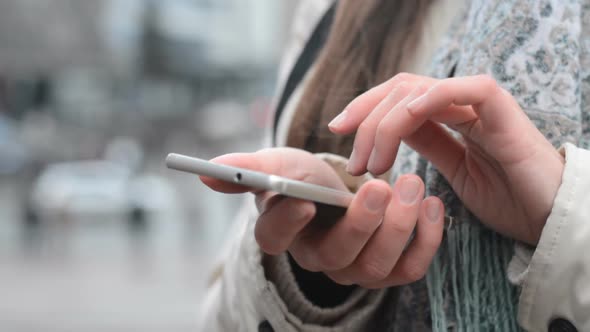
(422, 88)
(487, 78)
(402, 89)
(401, 226)
(489, 83)
(372, 271)
(365, 128)
(304, 260)
(441, 88)
(383, 129)
(405, 87)
(362, 228)
(330, 261)
(403, 77)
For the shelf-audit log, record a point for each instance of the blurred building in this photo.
(198, 36)
(93, 95)
(44, 36)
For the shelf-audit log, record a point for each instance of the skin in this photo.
(364, 247)
(503, 169)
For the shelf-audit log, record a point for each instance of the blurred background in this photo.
(95, 233)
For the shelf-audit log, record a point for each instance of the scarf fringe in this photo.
(467, 283)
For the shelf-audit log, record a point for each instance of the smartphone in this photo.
(258, 180)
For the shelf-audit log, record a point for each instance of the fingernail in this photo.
(337, 121)
(415, 106)
(376, 200)
(352, 162)
(408, 191)
(432, 211)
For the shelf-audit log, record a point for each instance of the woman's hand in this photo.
(364, 247)
(503, 168)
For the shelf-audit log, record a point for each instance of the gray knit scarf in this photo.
(537, 50)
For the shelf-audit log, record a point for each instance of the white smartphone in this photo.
(258, 180)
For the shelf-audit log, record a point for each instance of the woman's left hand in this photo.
(503, 169)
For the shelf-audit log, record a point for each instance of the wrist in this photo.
(554, 169)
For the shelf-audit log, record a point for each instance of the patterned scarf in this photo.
(534, 49)
(540, 52)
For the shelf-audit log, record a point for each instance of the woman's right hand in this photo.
(366, 246)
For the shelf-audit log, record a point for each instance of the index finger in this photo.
(362, 106)
(493, 105)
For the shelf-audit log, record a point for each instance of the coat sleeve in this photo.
(253, 289)
(554, 277)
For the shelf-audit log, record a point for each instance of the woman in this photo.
(497, 175)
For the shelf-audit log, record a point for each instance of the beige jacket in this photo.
(254, 291)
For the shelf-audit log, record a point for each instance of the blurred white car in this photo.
(95, 190)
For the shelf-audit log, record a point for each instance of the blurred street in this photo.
(95, 233)
(109, 276)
